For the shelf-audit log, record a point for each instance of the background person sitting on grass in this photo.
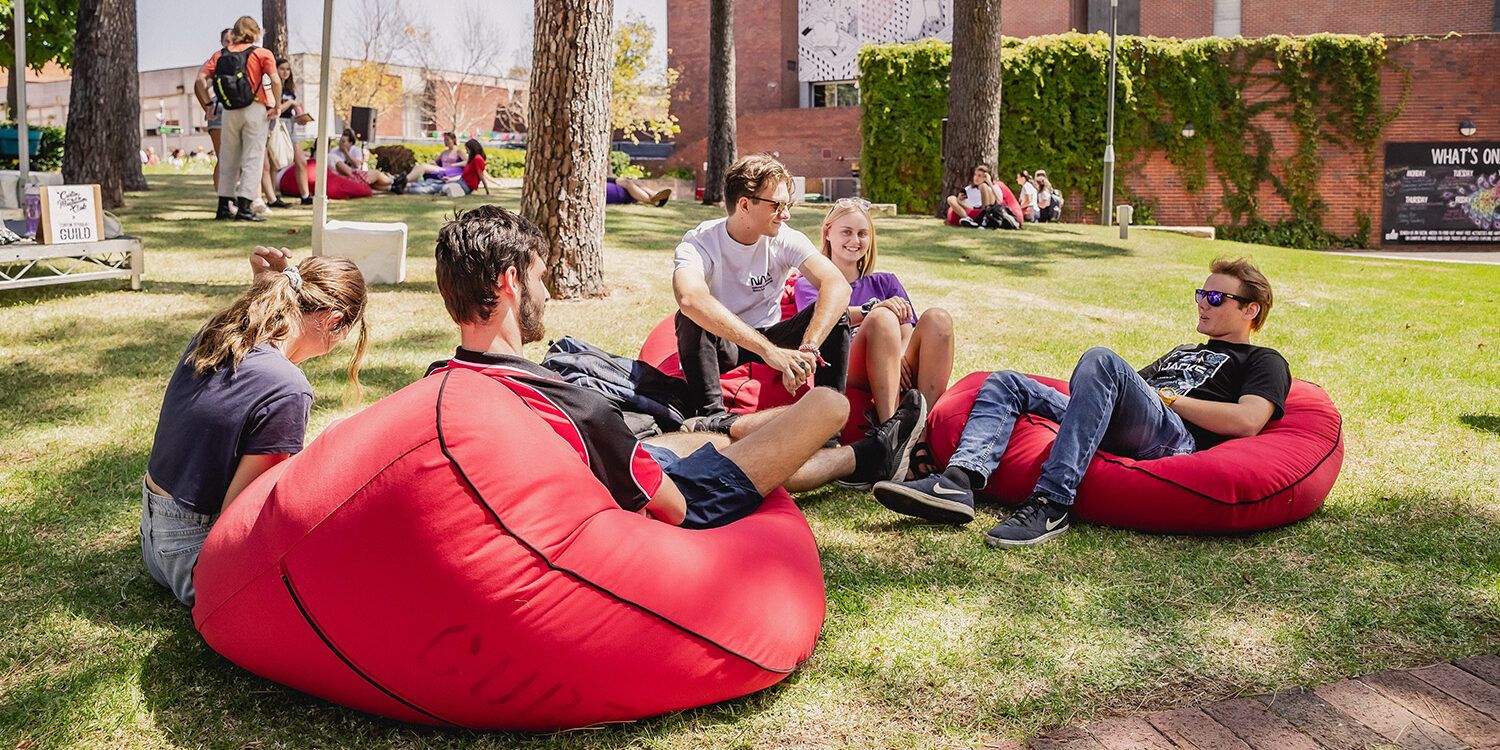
(489, 271)
(1192, 398)
(894, 349)
(348, 159)
(468, 179)
(964, 208)
(237, 404)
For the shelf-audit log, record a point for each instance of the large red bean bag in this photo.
(1277, 477)
(747, 388)
(339, 186)
(444, 557)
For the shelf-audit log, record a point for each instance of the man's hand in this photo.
(900, 307)
(796, 367)
(268, 260)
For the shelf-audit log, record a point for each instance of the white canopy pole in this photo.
(23, 138)
(325, 116)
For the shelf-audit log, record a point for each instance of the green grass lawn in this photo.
(932, 639)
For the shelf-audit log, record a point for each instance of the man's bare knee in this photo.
(826, 407)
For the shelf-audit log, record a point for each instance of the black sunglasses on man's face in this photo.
(781, 207)
(1216, 298)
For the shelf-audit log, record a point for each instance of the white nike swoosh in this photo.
(941, 490)
(1054, 524)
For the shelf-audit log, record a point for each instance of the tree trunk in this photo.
(720, 98)
(973, 133)
(103, 141)
(10, 92)
(567, 153)
(273, 25)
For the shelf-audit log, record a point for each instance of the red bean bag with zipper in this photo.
(340, 187)
(1248, 484)
(751, 387)
(443, 557)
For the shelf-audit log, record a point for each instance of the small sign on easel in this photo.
(71, 213)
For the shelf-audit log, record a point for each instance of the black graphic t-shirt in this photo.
(1223, 372)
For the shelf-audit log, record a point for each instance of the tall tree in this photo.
(639, 91)
(973, 133)
(567, 153)
(103, 141)
(273, 24)
(50, 26)
(720, 98)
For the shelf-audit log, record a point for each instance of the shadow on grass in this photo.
(1483, 422)
(1022, 253)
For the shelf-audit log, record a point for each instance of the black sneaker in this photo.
(931, 498)
(718, 423)
(1037, 521)
(899, 435)
(307, 200)
(226, 209)
(279, 203)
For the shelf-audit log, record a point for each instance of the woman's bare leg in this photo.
(299, 163)
(875, 361)
(213, 137)
(929, 354)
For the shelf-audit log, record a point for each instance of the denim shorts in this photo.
(716, 490)
(171, 538)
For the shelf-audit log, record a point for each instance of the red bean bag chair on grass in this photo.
(443, 557)
(339, 186)
(1250, 484)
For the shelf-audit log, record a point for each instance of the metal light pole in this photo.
(1109, 146)
(23, 139)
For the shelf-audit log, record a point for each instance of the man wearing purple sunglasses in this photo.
(1192, 398)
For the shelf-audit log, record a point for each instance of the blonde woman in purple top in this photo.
(894, 349)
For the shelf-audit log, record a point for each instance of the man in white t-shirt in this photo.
(728, 275)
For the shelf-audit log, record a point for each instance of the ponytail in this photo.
(271, 311)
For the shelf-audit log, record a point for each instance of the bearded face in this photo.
(532, 308)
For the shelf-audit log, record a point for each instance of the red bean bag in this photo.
(1277, 477)
(443, 557)
(747, 388)
(339, 186)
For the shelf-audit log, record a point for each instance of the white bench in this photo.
(119, 258)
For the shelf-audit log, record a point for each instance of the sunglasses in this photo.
(1217, 298)
(778, 206)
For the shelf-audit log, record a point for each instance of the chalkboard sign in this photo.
(1441, 193)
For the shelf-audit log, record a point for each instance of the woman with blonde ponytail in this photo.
(237, 404)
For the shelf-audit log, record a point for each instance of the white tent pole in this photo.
(18, 20)
(325, 115)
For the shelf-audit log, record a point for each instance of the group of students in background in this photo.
(987, 202)
(253, 112)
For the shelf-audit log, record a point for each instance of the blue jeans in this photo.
(1110, 407)
(171, 538)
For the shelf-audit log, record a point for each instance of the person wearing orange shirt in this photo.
(237, 76)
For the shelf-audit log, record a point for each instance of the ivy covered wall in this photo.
(1264, 111)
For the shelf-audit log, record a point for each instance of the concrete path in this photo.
(1490, 257)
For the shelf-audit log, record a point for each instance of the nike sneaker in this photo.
(933, 498)
(895, 437)
(1039, 520)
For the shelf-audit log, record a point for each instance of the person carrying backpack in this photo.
(235, 75)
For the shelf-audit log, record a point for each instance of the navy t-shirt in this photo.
(208, 422)
(1221, 371)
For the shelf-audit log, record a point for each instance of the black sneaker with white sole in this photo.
(933, 498)
(1037, 521)
(895, 438)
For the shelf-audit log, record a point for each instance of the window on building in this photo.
(835, 94)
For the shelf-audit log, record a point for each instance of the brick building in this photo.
(812, 124)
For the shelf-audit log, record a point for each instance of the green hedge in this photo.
(1326, 87)
(49, 150)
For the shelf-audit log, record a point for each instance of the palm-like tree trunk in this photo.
(103, 141)
(720, 98)
(567, 153)
(973, 133)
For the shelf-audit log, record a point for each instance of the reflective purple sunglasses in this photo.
(1216, 298)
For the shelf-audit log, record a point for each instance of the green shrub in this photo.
(620, 166)
(1326, 87)
(49, 150)
(680, 173)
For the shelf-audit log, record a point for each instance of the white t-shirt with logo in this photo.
(746, 279)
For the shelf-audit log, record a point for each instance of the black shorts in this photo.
(716, 490)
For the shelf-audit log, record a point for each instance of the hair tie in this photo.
(296, 277)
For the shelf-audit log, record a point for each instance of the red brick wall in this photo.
(1390, 17)
(1184, 19)
(1037, 17)
(1448, 78)
(813, 143)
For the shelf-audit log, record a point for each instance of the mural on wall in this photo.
(832, 31)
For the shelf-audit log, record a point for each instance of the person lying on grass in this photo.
(237, 404)
(1192, 398)
(894, 349)
(489, 271)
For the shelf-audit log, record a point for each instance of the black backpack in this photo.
(232, 82)
(650, 400)
(998, 216)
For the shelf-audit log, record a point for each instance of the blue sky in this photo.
(174, 33)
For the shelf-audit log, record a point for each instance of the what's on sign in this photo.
(1441, 193)
(71, 213)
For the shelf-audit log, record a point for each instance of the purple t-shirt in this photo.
(880, 285)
